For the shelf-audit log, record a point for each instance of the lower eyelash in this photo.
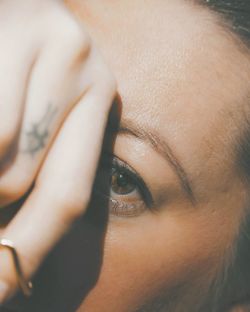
(123, 209)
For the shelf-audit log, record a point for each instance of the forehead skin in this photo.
(181, 75)
(168, 60)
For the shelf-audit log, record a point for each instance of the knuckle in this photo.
(84, 42)
(13, 188)
(81, 51)
(7, 139)
(76, 209)
(68, 33)
(78, 45)
(80, 42)
(78, 38)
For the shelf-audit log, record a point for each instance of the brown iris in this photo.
(122, 183)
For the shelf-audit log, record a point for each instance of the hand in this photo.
(55, 97)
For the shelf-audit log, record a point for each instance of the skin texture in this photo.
(179, 75)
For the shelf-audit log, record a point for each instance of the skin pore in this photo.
(181, 84)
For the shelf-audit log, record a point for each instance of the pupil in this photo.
(122, 180)
(121, 183)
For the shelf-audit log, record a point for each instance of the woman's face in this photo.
(182, 87)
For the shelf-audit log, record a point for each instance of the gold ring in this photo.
(26, 287)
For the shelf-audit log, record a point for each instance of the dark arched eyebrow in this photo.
(161, 146)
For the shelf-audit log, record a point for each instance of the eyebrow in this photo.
(161, 146)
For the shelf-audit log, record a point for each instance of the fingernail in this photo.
(4, 291)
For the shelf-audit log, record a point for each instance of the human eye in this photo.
(127, 193)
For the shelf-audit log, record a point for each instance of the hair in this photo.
(235, 284)
(237, 15)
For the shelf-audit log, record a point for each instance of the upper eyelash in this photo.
(144, 191)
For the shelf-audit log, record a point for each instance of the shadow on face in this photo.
(71, 270)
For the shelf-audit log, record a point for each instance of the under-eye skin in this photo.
(127, 193)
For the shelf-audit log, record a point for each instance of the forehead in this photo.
(167, 55)
(177, 71)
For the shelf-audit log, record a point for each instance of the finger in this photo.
(56, 84)
(14, 75)
(63, 188)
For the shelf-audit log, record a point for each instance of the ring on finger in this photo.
(25, 286)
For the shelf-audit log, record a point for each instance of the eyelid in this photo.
(109, 160)
(143, 188)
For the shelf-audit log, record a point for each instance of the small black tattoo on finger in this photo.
(37, 137)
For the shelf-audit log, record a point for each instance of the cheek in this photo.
(147, 255)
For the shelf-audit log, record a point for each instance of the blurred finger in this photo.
(14, 76)
(57, 82)
(63, 188)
